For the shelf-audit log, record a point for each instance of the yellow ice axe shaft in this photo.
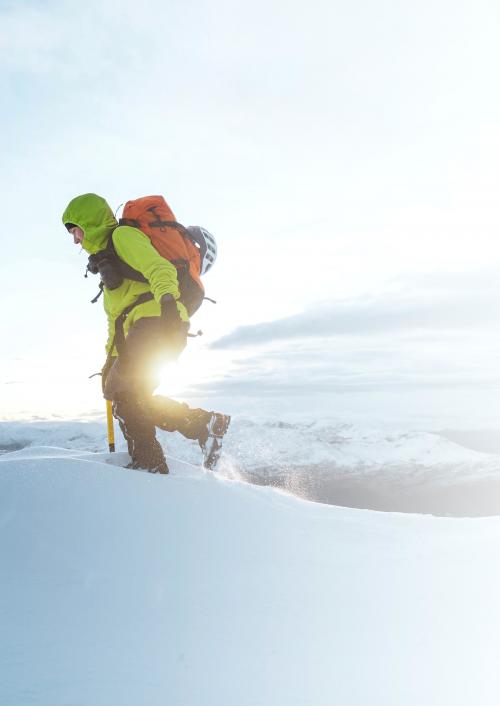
(111, 426)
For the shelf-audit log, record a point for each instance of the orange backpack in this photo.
(154, 217)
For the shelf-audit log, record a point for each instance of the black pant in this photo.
(130, 384)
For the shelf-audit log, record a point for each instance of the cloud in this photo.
(425, 305)
(428, 345)
(302, 386)
(359, 365)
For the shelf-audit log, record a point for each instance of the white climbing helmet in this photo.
(206, 243)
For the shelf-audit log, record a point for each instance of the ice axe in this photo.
(111, 427)
(109, 415)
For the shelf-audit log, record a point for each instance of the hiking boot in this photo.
(149, 456)
(210, 440)
(160, 468)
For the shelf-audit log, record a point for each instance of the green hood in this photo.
(95, 217)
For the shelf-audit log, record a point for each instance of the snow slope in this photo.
(396, 470)
(119, 587)
(332, 462)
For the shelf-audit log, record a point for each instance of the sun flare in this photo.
(175, 378)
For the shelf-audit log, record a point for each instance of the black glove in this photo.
(110, 360)
(175, 328)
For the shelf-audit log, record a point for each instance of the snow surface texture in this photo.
(329, 462)
(120, 587)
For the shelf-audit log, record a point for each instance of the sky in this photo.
(344, 155)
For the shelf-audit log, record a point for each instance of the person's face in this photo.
(77, 234)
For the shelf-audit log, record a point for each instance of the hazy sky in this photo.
(345, 155)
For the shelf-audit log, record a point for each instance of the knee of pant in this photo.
(117, 384)
(125, 408)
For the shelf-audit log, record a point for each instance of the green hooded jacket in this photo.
(94, 216)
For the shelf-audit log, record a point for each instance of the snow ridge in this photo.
(122, 587)
(328, 461)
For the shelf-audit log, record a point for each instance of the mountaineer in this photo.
(150, 269)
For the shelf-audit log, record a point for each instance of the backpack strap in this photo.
(158, 223)
(119, 337)
(125, 269)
